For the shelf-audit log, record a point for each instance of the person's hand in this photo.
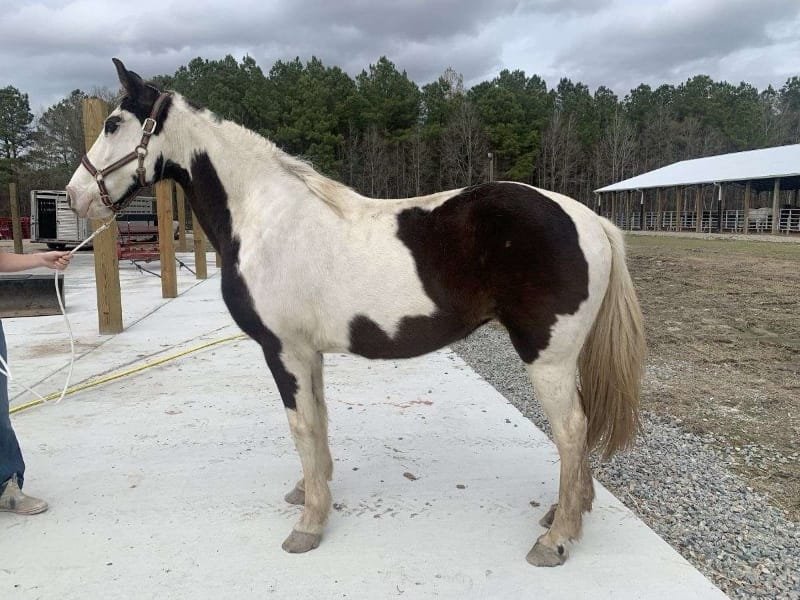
(56, 260)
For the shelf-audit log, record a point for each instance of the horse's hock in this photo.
(29, 295)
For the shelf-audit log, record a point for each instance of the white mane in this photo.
(333, 193)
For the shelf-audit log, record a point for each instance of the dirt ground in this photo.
(723, 331)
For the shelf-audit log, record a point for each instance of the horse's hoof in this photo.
(296, 496)
(542, 556)
(299, 542)
(547, 520)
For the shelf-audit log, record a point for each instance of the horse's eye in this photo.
(111, 124)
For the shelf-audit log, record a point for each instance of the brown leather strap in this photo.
(148, 129)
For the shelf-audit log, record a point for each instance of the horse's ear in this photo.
(131, 82)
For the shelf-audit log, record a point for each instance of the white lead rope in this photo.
(5, 368)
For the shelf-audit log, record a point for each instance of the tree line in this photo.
(384, 135)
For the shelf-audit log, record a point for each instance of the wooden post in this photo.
(641, 212)
(628, 209)
(218, 261)
(199, 236)
(180, 200)
(698, 209)
(166, 244)
(747, 192)
(16, 225)
(614, 207)
(678, 200)
(659, 210)
(720, 208)
(776, 209)
(106, 264)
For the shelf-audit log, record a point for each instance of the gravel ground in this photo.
(678, 484)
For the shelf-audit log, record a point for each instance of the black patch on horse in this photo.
(496, 250)
(209, 201)
(141, 107)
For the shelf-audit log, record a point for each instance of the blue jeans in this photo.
(11, 462)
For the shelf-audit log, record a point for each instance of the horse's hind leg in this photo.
(587, 495)
(556, 390)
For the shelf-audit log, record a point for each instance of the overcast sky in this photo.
(50, 47)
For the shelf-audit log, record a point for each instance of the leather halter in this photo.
(148, 128)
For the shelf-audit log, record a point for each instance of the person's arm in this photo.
(10, 263)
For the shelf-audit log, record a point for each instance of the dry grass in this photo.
(722, 319)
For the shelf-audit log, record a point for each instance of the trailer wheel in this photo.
(56, 246)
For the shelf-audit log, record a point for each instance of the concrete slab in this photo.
(169, 483)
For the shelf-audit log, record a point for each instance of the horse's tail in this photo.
(612, 359)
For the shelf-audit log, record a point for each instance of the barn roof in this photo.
(761, 167)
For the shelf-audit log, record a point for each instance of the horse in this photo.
(762, 218)
(309, 266)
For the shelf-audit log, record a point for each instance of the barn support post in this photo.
(776, 206)
(628, 210)
(613, 215)
(659, 210)
(16, 224)
(199, 237)
(166, 244)
(720, 207)
(698, 208)
(678, 202)
(180, 201)
(106, 264)
(747, 191)
(641, 211)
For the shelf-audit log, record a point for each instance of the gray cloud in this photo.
(618, 43)
(675, 40)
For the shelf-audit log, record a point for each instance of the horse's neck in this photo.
(222, 168)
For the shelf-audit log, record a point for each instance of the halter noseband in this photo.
(148, 128)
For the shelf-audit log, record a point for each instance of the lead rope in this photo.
(5, 368)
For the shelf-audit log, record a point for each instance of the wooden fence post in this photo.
(166, 244)
(199, 236)
(16, 225)
(106, 264)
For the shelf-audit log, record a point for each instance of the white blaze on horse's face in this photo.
(122, 132)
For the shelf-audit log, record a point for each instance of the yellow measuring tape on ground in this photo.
(118, 375)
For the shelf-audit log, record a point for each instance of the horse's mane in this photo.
(333, 193)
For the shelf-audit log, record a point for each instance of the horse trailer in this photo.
(54, 223)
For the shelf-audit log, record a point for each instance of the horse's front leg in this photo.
(299, 378)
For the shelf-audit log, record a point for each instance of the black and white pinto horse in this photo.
(310, 266)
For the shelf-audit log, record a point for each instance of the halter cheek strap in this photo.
(148, 128)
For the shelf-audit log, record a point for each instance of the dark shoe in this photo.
(13, 500)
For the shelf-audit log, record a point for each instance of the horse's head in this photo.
(123, 158)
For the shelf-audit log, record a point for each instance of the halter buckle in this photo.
(149, 126)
